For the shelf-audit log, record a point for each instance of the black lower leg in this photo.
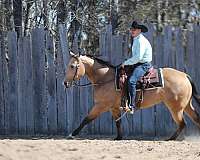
(178, 131)
(119, 130)
(197, 119)
(83, 123)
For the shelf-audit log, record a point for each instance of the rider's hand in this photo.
(122, 65)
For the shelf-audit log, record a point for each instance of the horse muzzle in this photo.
(67, 84)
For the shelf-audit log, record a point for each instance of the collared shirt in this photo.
(141, 51)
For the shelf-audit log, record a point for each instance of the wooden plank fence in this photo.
(34, 101)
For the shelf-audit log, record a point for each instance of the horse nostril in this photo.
(67, 84)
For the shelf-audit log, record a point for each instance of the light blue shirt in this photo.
(141, 51)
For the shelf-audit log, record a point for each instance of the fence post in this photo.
(28, 64)
(5, 82)
(197, 55)
(179, 50)
(61, 95)
(2, 109)
(39, 83)
(22, 87)
(51, 85)
(12, 108)
(65, 99)
(159, 110)
(196, 63)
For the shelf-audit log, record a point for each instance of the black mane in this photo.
(100, 61)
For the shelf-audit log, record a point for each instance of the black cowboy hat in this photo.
(136, 25)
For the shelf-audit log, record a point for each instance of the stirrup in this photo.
(131, 109)
(128, 109)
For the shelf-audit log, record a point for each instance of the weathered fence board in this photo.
(160, 123)
(102, 43)
(60, 96)
(64, 101)
(51, 86)
(5, 84)
(28, 85)
(33, 99)
(196, 65)
(191, 69)
(90, 105)
(108, 43)
(22, 87)
(39, 84)
(12, 108)
(190, 53)
(179, 50)
(76, 107)
(83, 110)
(64, 45)
(2, 111)
(197, 49)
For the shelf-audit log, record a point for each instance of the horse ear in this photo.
(72, 54)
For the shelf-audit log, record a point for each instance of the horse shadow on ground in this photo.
(92, 137)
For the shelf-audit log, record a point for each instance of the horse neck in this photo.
(96, 72)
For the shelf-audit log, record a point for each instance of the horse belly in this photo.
(106, 94)
(151, 97)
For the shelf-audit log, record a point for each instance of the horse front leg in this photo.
(85, 121)
(94, 113)
(116, 114)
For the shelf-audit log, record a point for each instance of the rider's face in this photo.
(135, 32)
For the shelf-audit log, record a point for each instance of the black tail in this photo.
(194, 90)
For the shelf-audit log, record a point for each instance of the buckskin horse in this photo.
(176, 94)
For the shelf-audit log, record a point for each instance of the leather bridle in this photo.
(73, 82)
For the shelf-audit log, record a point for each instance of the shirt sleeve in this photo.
(137, 53)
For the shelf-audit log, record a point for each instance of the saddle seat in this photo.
(152, 79)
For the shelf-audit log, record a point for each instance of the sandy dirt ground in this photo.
(98, 149)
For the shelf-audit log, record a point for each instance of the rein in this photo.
(91, 84)
(87, 84)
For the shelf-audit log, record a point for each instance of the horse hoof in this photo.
(170, 139)
(118, 138)
(70, 136)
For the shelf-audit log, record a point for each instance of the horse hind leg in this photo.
(178, 118)
(192, 113)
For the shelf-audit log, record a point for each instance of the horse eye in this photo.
(72, 66)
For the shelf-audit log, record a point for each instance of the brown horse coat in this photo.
(176, 94)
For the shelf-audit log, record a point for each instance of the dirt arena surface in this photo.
(98, 149)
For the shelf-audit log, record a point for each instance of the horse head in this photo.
(74, 71)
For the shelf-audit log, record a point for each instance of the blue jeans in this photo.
(138, 72)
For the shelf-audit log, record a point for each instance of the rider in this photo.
(141, 59)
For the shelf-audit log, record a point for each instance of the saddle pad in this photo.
(152, 79)
(154, 76)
